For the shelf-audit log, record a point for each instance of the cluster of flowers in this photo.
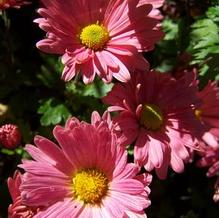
(165, 118)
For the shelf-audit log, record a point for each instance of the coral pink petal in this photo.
(210, 139)
(127, 186)
(65, 208)
(69, 72)
(176, 163)
(132, 203)
(14, 184)
(155, 152)
(54, 152)
(213, 170)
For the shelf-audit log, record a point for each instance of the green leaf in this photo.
(213, 13)
(170, 28)
(97, 89)
(53, 112)
(204, 44)
(130, 150)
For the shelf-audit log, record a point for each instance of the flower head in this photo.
(156, 115)
(10, 136)
(86, 176)
(102, 38)
(17, 208)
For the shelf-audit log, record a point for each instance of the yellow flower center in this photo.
(151, 117)
(90, 186)
(94, 36)
(198, 113)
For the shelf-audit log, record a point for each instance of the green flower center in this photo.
(151, 117)
(90, 186)
(198, 113)
(94, 36)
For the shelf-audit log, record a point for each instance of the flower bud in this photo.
(10, 136)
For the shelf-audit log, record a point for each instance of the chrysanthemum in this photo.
(208, 113)
(4, 4)
(86, 176)
(100, 37)
(156, 112)
(17, 208)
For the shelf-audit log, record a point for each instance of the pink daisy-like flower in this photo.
(102, 37)
(86, 176)
(17, 209)
(208, 113)
(4, 4)
(156, 112)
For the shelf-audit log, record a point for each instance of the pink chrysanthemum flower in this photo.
(101, 37)
(156, 113)
(87, 176)
(17, 208)
(208, 113)
(4, 4)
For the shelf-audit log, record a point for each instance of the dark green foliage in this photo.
(53, 112)
(205, 44)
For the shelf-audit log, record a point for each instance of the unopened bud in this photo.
(10, 136)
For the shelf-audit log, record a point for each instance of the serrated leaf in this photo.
(170, 28)
(213, 13)
(204, 43)
(97, 89)
(53, 112)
